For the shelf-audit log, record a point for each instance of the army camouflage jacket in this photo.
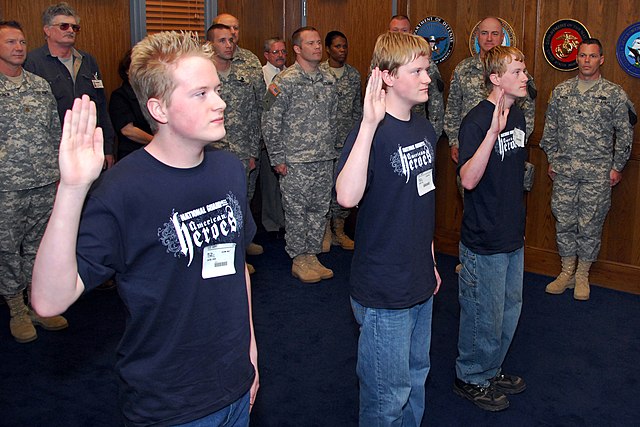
(434, 108)
(243, 97)
(298, 121)
(579, 128)
(29, 133)
(468, 89)
(349, 100)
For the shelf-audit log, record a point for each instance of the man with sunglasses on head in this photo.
(70, 72)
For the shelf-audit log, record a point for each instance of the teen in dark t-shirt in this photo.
(387, 167)
(171, 221)
(492, 155)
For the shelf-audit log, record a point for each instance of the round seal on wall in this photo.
(561, 41)
(508, 40)
(439, 35)
(628, 50)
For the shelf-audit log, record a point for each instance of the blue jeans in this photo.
(234, 415)
(490, 296)
(393, 363)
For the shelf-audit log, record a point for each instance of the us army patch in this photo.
(274, 89)
(270, 97)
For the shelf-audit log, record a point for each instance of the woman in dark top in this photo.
(127, 118)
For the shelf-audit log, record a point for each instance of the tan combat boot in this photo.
(250, 268)
(581, 292)
(328, 237)
(303, 270)
(339, 238)
(20, 324)
(53, 323)
(254, 249)
(566, 279)
(324, 272)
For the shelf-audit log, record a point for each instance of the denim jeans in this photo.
(393, 363)
(490, 296)
(234, 415)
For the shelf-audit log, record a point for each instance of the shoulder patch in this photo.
(633, 118)
(270, 97)
(274, 89)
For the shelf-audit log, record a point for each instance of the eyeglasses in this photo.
(65, 26)
(282, 51)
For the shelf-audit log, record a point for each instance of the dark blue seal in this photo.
(439, 34)
(628, 50)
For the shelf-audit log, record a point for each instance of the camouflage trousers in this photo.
(252, 177)
(23, 219)
(336, 211)
(580, 208)
(272, 213)
(306, 196)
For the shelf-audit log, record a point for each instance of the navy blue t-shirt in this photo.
(392, 264)
(494, 215)
(162, 231)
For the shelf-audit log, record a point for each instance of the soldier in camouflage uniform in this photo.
(300, 110)
(246, 60)
(434, 107)
(349, 113)
(468, 88)
(243, 95)
(29, 136)
(585, 115)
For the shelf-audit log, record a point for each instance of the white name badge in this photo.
(425, 182)
(218, 260)
(518, 137)
(97, 84)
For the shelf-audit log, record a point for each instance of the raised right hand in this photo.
(81, 154)
(374, 99)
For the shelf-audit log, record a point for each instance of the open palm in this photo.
(81, 147)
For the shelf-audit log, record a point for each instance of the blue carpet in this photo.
(579, 358)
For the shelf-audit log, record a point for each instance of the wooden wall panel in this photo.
(105, 30)
(259, 20)
(619, 261)
(360, 20)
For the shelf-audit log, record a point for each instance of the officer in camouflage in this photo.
(243, 95)
(349, 113)
(239, 54)
(300, 109)
(468, 88)
(249, 62)
(434, 108)
(585, 115)
(29, 136)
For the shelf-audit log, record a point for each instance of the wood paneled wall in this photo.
(618, 265)
(106, 32)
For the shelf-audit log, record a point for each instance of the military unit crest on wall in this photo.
(559, 44)
(439, 35)
(628, 50)
(561, 41)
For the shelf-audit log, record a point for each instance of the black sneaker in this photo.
(487, 398)
(508, 384)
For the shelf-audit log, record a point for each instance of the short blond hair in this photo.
(496, 61)
(152, 63)
(393, 50)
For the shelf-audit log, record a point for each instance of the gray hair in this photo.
(54, 10)
(269, 42)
